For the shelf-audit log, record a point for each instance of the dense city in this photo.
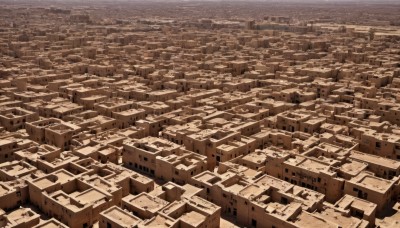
(199, 114)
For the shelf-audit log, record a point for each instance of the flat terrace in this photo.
(146, 202)
(20, 216)
(353, 167)
(374, 183)
(376, 160)
(16, 168)
(252, 191)
(121, 217)
(160, 221)
(90, 196)
(350, 201)
(61, 176)
(208, 177)
(328, 219)
(256, 157)
(51, 224)
(102, 184)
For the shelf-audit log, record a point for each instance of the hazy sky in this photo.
(240, 0)
(188, 1)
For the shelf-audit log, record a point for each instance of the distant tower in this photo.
(250, 25)
(371, 34)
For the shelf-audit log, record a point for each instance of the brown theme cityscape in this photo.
(199, 114)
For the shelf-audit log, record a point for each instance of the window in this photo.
(254, 223)
(365, 195)
(358, 214)
(284, 200)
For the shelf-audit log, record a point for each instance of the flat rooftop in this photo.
(147, 202)
(121, 217)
